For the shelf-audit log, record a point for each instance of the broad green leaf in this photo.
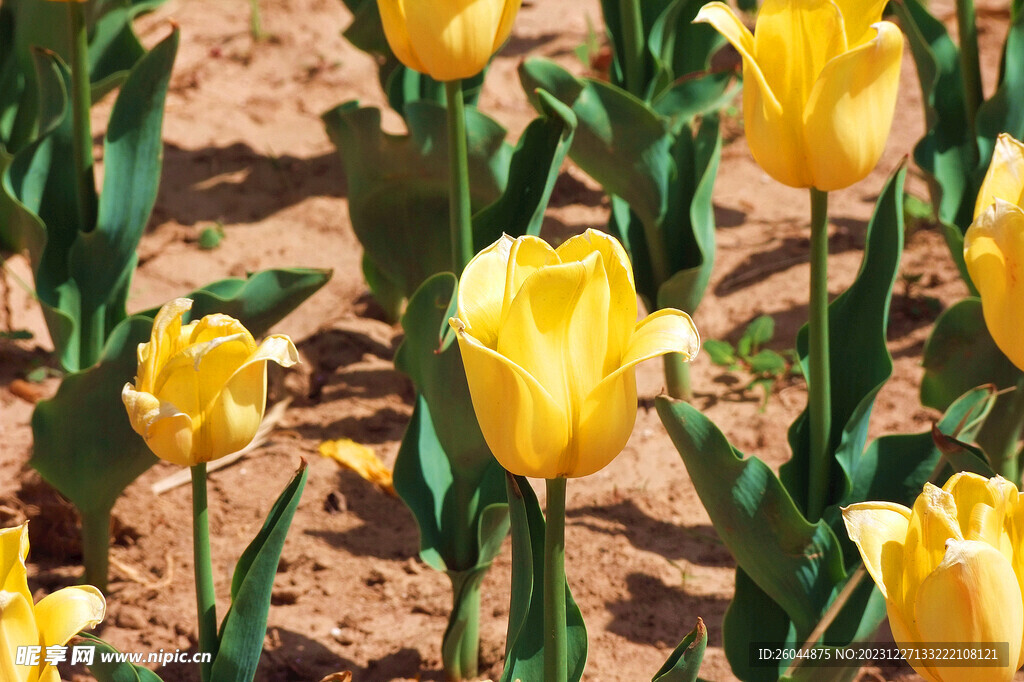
(960, 355)
(721, 352)
(123, 671)
(683, 663)
(83, 444)
(260, 300)
(398, 185)
(860, 361)
(245, 625)
(524, 644)
(1004, 111)
(796, 563)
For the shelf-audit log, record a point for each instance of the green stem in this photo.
(205, 601)
(556, 649)
(255, 24)
(969, 64)
(96, 547)
(81, 102)
(819, 393)
(633, 45)
(460, 215)
(677, 377)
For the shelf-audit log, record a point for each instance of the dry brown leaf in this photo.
(360, 459)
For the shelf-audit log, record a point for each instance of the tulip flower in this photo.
(994, 248)
(819, 86)
(201, 388)
(447, 40)
(549, 339)
(52, 622)
(950, 569)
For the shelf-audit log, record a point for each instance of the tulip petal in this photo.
(452, 38)
(665, 331)
(932, 523)
(392, 16)
(605, 423)
(879, 530)
(482, 291)
(527, 255)
(13, 551)
(1005, 176)
(858, 16)
(64, 613)
(17, 628)
(557, 330)
(850, 109)
(509, 9)
(982, 507)
(233, 415)
(972, 596)
(994, 254)
(527, 431)
(165, 341)
(167, 431)
(775, 136)
(622, 310)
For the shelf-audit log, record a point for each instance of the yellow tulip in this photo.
(994, 248)
(201, 388)
(447, 40)
(549, 339)
(950, 569)
(819, 86)
(50, 623)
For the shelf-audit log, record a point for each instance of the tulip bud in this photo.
(447, 40)
(51, 623)
(950, 569)
(549, 339)
(201, 388)
(994, 248)
(819, 86)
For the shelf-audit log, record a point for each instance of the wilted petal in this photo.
(850, 109)
(1005, 176)
(972, 596)
(168, 431)
(164, 342)
(527, 431)
(994, 254)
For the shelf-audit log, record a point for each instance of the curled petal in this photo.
(168, 432)
(664, 331)
(972, 596)
(65, 613)
(879, 530)
(527, 431)
(994, 254)
(1005, 176)
(850, 109)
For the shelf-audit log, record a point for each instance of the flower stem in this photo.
(460, 215)
(968, 28)
(633, 45)
(556, 650)
(205, 601)
(677, 376)
(81, 103)
(96, 547)
(819, 393)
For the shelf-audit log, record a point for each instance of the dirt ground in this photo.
(245, 147)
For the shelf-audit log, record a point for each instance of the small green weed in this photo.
(766, 367)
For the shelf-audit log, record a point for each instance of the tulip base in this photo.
(96, 548)
(460, 648)
(556, 648)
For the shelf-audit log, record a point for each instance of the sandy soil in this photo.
(245, 146)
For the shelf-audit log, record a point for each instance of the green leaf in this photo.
(760, 331)
(960, 355)
(123, 671)
(83, 443)
(524, 645)
(860, 361)
(398, 185)
(683, 663)
(1004, 111)
(721, 352)
(533, 170)
(260, 300)
(245, 625)
(767, 362)
(797, 564)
